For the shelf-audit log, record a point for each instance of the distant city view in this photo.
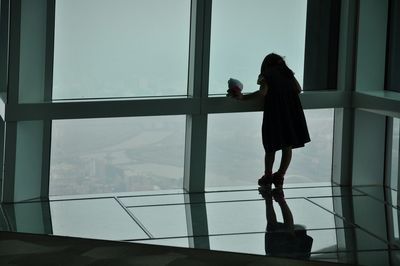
(147, 153)
(127, 48)
(117, 155)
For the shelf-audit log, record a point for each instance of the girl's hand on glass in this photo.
(236, 94)
(235, 89)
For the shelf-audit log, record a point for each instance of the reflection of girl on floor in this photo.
(283, 239)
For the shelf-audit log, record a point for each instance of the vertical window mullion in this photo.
(196, 125)
(28, 142)
(196, 122)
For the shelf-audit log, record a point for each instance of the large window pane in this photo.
(117, 155)
(235, 153)
(243, 32)
(121, 48)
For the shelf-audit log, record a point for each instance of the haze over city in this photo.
(129, 48)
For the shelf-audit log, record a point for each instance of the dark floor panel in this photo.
(367, 258)
(324, 241)
(28, 249)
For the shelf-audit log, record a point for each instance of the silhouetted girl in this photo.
(284, 125)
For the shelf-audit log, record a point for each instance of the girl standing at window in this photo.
(284, 125)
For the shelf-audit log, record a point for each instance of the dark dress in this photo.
(284, 124)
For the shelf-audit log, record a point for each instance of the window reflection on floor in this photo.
(394, 173)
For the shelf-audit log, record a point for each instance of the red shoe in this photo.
(265, 180)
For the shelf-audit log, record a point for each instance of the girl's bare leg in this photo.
(285, 162)
(266, 179)
(269, 162)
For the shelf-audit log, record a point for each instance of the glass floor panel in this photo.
(327, 223)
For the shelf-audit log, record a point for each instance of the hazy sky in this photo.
(243, 32)
(107, 48)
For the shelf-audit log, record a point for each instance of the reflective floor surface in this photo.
(321, 222)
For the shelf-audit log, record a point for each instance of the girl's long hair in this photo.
(274, 60)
